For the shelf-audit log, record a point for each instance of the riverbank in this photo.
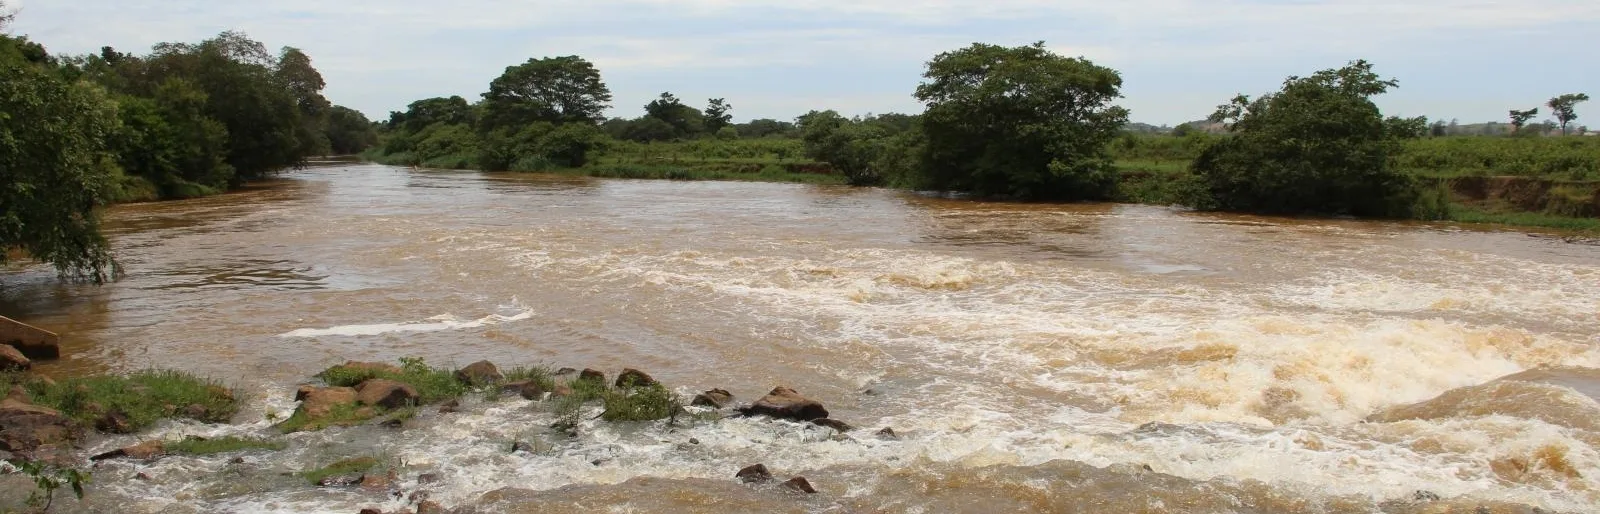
(1515, 201)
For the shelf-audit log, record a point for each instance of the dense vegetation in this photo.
(79, 132)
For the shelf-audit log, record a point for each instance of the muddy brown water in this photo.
(1032, 357)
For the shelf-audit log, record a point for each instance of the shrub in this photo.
(1318, 146)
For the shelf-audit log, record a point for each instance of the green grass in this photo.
(1468, 214)
(647, 403)
(342, 467)
(432, 384)
(343, 415)
(229, 444)
(144, 397)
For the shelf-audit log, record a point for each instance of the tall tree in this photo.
(1019, 121)
(685, 120)
(1564, 108)
(1318, 145)
(553, 89)
(54, 165)
(1520, 118)
(716, 115)
(349, 131)
(305, 83)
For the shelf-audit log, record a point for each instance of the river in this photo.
(1031, 357)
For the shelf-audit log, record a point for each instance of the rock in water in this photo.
(12, 359)
(26, 428)
(833, 424)
(320, 402)
(143, 451)
(430, 507)
(755, 473)
(592, 374)
(527, 389)
(634, 378)
(715, 398)
(114, 422)
(479, 373)
(385, 393)
(301, 392)
(785, 403)
(800, 484)
(450, 406)
(888, 433)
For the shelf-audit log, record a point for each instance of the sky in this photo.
(1467, 59)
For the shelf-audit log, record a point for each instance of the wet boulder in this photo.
(634, 378)
(800, 484)
(301, 392)
(527, 389)
(786, 403)
(113, 421)
(755, 473)
(479, 373)
(888, 433)
(385, 393)
(592, 374)
(12, 359)
(143, 451)
(833, 424)
(26, 428)
(430, 507)
(715, 398)
(320, 402)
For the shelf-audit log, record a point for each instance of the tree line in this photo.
(1020, 123)
(79, 132)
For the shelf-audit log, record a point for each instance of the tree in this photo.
(1023, 122)
(685, 121)
(305, 83)
(1563, 108)
(1438, 129)
(765, 127)
(1319, 145)
(553, 89)
(1520, 118)
(54, 165)
(716, 115)
(349, 131)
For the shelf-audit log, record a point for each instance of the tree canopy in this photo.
(552, 89)
(1020, 121)
(55, 166)
(1319, 145)
(1564, 108)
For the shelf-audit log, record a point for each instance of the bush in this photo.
(1318, 146)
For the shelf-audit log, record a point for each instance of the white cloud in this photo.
(379, 54)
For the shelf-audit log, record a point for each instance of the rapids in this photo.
(1032, 357)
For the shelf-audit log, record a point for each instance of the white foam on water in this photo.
(432, 324)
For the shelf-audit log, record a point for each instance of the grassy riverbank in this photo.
(1542, 193)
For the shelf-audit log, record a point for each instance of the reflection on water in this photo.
(1253, 364)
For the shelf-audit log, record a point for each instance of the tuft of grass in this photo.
(647, 403)
(342, 467)
(144, 397)
(432, 384)
(229, 444)
(542, 375)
